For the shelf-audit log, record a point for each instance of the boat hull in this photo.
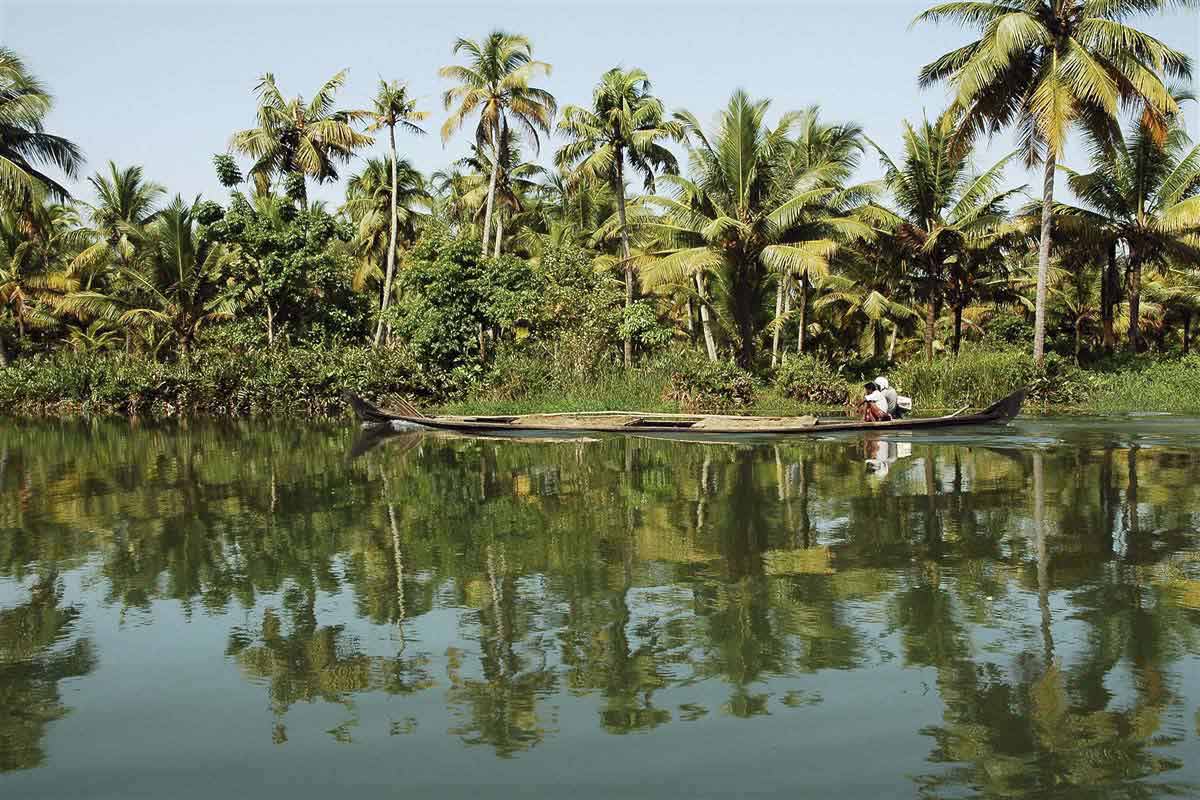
(683, 426)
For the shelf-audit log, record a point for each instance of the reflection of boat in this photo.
(634, 422)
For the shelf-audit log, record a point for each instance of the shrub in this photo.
(981, 375)
(697, 384)
(810, 380)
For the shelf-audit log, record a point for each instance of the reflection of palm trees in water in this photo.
(32, 663)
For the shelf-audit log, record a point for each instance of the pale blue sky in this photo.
(164, 83)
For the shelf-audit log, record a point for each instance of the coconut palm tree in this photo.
(25, 147)
(864, 307)
(1045, 66)
(126, 203)
(383, 201)
(494, 83)
(393, 108)
(296, 140)
(36, 242)
(942, 209)
(178, 284)
(625, 125)
(1143, 193)
(504, 180)
(738, 218)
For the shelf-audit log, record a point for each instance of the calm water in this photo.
(213, 611)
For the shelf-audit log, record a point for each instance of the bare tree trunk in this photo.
(1108, 299)
(709, 343)
(619, 191)
(3, 353)
(1187, 334)
(1135, 301)
(958, 316)
(787, 312)
(499, 235)
(892, 344)
(778, 322)
(691, 322)
(803, 332)
(1039, 317)
(270, 325)
(1078, 339)
(930, 321)
(482, 344)
(491, 196)
(391, 252)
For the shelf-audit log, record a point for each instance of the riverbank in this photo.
(313, 382)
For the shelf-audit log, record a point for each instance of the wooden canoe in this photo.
(633, 422)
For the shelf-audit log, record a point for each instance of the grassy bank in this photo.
(312, 382)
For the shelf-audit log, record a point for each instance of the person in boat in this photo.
(874, 405)
(891, 396)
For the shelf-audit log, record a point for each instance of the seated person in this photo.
(892, 397)
(874, 405)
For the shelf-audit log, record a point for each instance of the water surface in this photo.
(209, 611)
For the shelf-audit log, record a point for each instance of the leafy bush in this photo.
(221, 382)
(810, 380)
(981, 375)
(640, 322)
(697, 384)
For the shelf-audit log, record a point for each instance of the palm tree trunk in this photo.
(391, 253)
(787, 312)
(803, 332)
(709, 343)
(1108, 300)
(958, 315)
(1078, 339)
(892, 344)
(619, 191)
(1187, 334)
(1135, 300)
(691, 321)
(3, 353)
(487, 214)
(930, 321)
(1039, 317)
(778, 322)
(270, 325)
(499, 235)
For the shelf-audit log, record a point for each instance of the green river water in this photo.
(227, 611)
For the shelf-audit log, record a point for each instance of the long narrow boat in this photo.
(633, 422)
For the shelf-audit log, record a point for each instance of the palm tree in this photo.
(495, 84)
(736, 217)
(942, 209)
(1045, 66)
(1143, 193)
(625, 124)
(393, 108)
(866, 307)
(126, 203)
(296, 140)
(178, 284)
(35, 242)
(25, 147)
(382, 201)
(511, 181)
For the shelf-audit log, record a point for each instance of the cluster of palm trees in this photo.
(764, 239)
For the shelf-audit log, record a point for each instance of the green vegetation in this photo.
(754, 272)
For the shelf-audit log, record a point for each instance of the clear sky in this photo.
(164, 83)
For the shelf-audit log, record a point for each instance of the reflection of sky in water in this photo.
(844, 701)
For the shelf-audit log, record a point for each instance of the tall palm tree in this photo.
(296, 140)
(383, 201)
(942, 208)
(125, 203)
(393, 108)
(25, 147)
(1045, 66)
(502, 177)
(625, 124)
(736, 217)
(1144, 194)
(495, 84)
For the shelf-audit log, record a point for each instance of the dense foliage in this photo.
(500, 278)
